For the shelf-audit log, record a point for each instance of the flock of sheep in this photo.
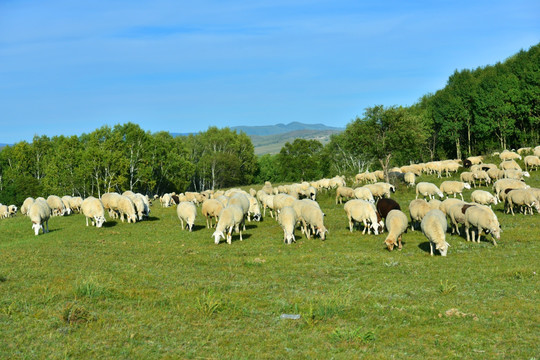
(369, 206)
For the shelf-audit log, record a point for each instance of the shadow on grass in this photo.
(151, 218)
(198, 227)
(425, 247)
(250, 226)
(109, 224)
(236, 238)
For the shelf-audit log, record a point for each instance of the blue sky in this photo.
(68, 67)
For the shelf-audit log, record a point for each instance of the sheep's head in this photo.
(36, 227)
(99, 220)
(290, 238)
(441, 195)
(257, 217)
(443, 249)
(321, 231)
(390, 243)
(526, 174)
(467, 186)
(217, 235)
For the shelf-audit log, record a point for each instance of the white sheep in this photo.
(482, 177)
(532, 161)
(254, 208)
(456, 214)
(313, 218)
(468, 177)
(362, 211)
(12, 210)
(418, 208)
(363, 193)
(501, 185)
(165, 200)
(66, 199)
(509, 165)
(484, 198)
(434, 228)
(523, 198)
(409, 178)
(495, 174)
(447, 203)
(454, 187)
(268, 203)
(186, 211)
(75, 203)
(282, 200)
(509, 155)
(231, 218)
(127, 208)
(475, 160)
(4, 212)
(427, 189)
(287, 218)
(138, 203)
(110, 203)
(39, 214)
(483, 218)
(211, 208)
(380, 189)
(26, 205)
(515, 174)
(93, 209)
(344, 192)
(57, 205)
(396, 224)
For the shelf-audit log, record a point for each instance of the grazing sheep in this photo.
(468, 177)
(4, 212)
(396, 224)
(254, 209)
(56, 205)
(363, 193)
(482, 177)
(435, 204)
(231, 218)
(138, 203)
(127, 208)
(515, 174)
(509, 165)
(93, 209)
(409, 178)
(287, 218)
(12, 210)
(384, 206)
(434, 228)
(362, 211)
(110, 203)
(186, 211)
(26, 205)
(501, 185)
(456, 213)
(66, 199)
(495, 174)
(523, 198)
(524, 150)
(475, 160)
(483, 197)
(313, 217)
(344, 192)
(211, 208)
(75, 203)
(509, 155)
(483, 218)
(39, 214)
(454, 187)
(165, 200)
(418, 208)
(381, 190)
(282, 200)
(447, 203)
(532, 161)
(268, 203)
(427, 189)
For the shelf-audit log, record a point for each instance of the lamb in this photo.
(456, 213)
(56, 205)
(344, 192)
(287, 218)
(483, 218)
(427, 189)
(365, 212)
(509, 165)
(396, 224)
(211, 209)
(93, 209)
(127, 208)
(39, 214)
(313, 216)
(418, 208)
(434, 228)
(454, 187)
(26, 205)
(231, 217)
(409, 178)
(363, 193)
(483, 197)
(523, 198)
(186, 211)
(384, 206)
(532, 161)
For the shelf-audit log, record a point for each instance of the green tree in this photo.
(301, 160)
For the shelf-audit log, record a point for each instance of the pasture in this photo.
(150, 290)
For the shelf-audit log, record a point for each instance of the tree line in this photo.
(489, 108)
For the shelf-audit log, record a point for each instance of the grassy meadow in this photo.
(150, 290)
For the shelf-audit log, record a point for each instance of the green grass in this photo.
(150, 290)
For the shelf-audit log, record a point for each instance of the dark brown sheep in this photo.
(384, 206)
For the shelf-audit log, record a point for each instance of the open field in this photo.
(149, 290)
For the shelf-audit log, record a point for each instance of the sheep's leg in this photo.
(241, 236)
(399, 241)
(350, 224)
(207, 225)
(46, 225)
(467, 232)
(431, 248)
(86, 221)
(365, 226)
(460, 194)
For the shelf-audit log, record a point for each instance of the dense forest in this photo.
(489, 108)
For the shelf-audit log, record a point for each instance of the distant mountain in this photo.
(265, 130)
(3, 146)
